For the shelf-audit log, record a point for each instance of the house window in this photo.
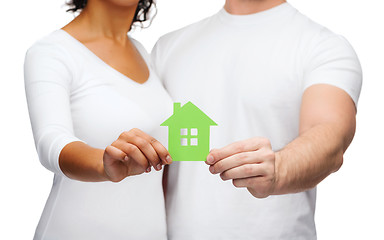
(193, 141)
(194, 131)
(184, 131)
(184, 142)
(188, 137)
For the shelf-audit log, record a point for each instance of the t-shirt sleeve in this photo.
(47, 79)
(333, 61)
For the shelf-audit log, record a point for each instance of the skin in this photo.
(102, 27)
(327, 126)
(244, 7)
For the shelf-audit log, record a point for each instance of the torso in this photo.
(104, 103)
(246, 74)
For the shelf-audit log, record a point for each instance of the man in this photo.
(283, 91)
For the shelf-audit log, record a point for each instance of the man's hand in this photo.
(249, 163)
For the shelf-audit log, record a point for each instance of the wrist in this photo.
(102, 174)
(280, 174)
(100, 168)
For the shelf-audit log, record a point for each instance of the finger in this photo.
(161, 151)
(137, 137)
(244, 171)
(147, 149)
(252, 144)
(114, 167)
(134, 153)
(259, 187)
(244, 182)
(115, 154)
(236, 161)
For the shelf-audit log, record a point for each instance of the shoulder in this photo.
(313, 34)
(51, 50)
(329, 58)
(171, 38)
(52, 42)
(50, 46)
(323, 44)
(49, 59)
(176, 40)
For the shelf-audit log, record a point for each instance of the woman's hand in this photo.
(133, 153)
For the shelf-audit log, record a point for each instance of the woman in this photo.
(86, 84)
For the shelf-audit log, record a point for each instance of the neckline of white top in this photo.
(254, 18)
(106, 65)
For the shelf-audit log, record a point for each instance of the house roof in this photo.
(188, 115)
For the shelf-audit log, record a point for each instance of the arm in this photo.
(81, 162)
(48, 76)
(327, 125)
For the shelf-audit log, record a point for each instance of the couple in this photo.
(282, 88)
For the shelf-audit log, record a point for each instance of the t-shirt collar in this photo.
(255, 18)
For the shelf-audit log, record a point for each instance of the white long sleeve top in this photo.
(74, 96)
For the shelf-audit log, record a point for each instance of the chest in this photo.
(236, 70)
(104, 104)
(125, 59)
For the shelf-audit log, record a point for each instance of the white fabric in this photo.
(248, 74)
(74, 96)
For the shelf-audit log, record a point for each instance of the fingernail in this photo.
(126, 158)
(148, 169)
(158, 167)
(210, 159)
(168, 159)
(212, 169)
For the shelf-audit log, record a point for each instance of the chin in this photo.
(124, 3)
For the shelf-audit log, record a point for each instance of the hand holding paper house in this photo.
(188, 133)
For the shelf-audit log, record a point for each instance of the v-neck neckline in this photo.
(102, 62)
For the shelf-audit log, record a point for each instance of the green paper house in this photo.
(188, 133)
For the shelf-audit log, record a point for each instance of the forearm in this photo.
(327, 126)
(310, 158)
(81, 162)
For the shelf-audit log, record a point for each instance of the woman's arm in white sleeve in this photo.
(48, 75)
(47, 84)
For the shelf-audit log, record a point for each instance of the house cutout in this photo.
(188, 133)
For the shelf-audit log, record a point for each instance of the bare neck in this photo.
(103, 19)
(244, 7)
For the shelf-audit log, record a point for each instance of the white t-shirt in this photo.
(247, 73)
(74, 96)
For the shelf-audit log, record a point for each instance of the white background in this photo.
(350, 202)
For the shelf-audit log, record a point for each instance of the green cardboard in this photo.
(188, 133)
